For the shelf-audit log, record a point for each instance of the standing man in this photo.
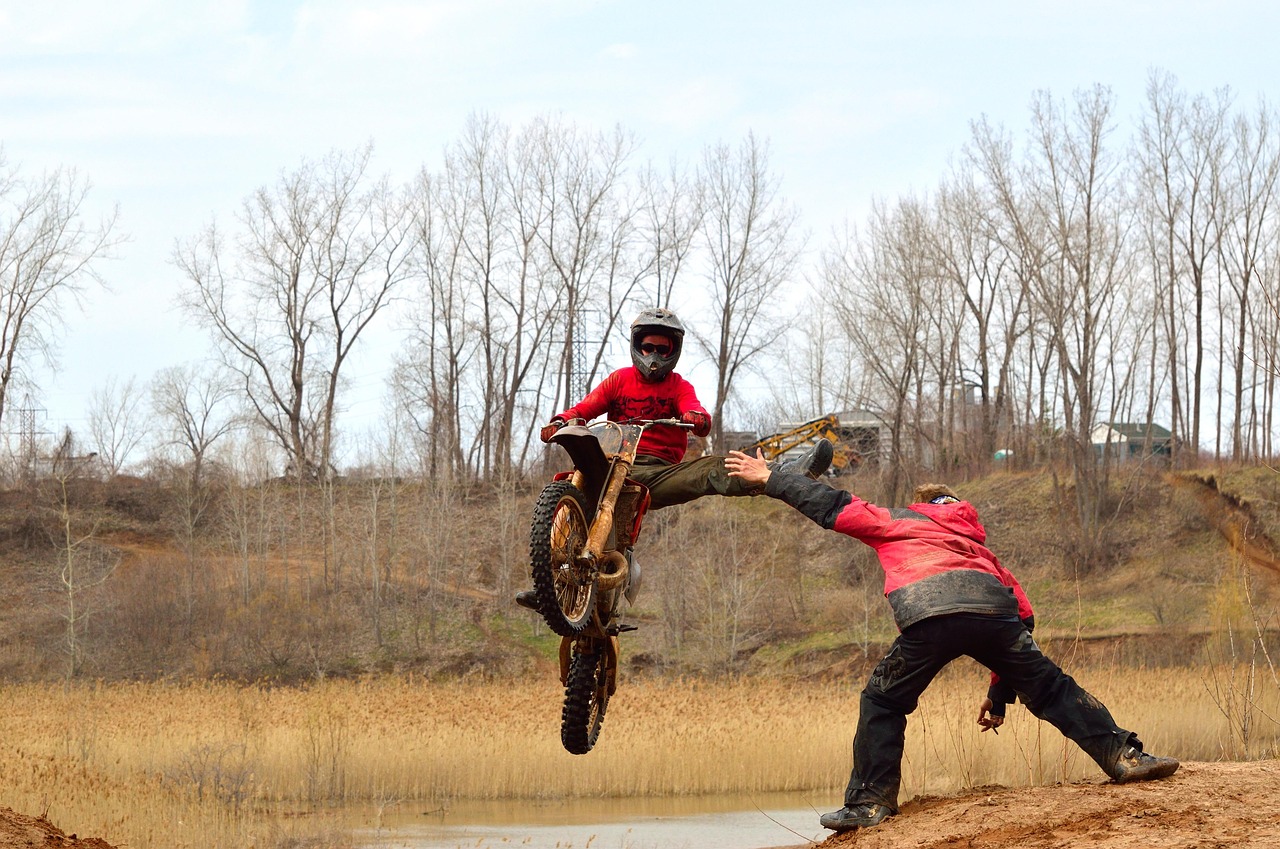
(650, 389)
(950, 597)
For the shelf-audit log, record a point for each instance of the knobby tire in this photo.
(586, 697)
(566, 592)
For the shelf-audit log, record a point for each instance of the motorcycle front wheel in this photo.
(566, 590)
(586, 697)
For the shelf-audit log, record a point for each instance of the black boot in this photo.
(527, 599)
(862, 815)
(1133, 764)
(813, 463)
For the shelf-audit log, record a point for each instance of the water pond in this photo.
(722, 822)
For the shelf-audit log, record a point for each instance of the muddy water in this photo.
(737, 822)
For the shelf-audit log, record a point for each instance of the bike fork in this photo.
(584, 645)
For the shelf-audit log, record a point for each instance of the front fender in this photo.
(588, 457)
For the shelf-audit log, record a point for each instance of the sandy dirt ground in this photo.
(1202, 806)
(19, 831)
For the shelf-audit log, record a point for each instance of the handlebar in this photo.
(680, 423)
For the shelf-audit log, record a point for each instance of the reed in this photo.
(215, 765)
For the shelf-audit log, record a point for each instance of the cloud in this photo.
(72, 27)
(620, 51)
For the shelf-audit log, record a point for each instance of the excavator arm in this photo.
(776, 444)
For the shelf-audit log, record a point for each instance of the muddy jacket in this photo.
(932, 554)
(626, 395)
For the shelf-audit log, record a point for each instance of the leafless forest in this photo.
(1106, 263)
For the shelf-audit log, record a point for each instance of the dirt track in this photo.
(1205, 806)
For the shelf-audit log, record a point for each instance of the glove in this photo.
(550, 428)
(701, 421)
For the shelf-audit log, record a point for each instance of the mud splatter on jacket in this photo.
(933, 555)
(626, 395)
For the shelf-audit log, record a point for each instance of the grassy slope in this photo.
(810, 601)
(1168, 577)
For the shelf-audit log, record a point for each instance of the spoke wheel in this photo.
(566, 591)
(586, 697)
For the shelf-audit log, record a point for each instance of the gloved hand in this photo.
(701, 421)
(549, 429)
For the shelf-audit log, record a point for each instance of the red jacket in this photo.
(933, 556)
(626, 395)
(929, 543)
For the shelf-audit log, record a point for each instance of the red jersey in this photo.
(626, 395)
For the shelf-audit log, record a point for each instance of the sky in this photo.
(175, 112)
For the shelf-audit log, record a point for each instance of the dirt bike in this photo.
(585, 524)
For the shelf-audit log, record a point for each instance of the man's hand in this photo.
(701, 421)
(987, 719)
(754, 471)
(550, 428)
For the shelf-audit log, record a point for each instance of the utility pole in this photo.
(27, 434)
(577, 373)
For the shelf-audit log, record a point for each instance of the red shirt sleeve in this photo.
(598, 400)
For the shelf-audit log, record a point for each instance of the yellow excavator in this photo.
(776, 444)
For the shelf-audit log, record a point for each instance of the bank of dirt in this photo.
(20, 831)
(1205, 806)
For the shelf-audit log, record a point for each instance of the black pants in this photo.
(1003, 646)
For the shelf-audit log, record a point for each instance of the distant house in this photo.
(1131, 440)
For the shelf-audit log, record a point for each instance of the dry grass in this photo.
(214, 765)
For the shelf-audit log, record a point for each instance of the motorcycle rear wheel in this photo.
(586, 697)
(566, 591)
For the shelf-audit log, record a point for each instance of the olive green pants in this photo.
(676, 483)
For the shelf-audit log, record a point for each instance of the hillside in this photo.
(272, 582)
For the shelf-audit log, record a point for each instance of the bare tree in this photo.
(1180, 152)
(117, 423)
(589, 239)
(319, 256)
(1251, 179)
(878, 294)
(972, 257)
(753, 251)
(47, 256)
(83, 563)
(671, 213)
(1068, 211)
(193, 408)
(431, 372)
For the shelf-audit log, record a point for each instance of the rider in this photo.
(650, 389)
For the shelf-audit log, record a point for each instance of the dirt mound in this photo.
(1205, 805)
(19, 831)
